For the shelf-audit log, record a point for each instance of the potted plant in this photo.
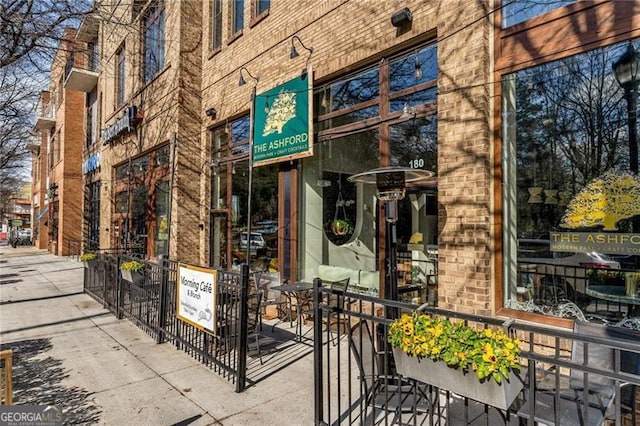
(341, 227)
(477, 363)
(132, 271)
(89, 259)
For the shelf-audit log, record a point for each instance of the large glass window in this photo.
(229, 196)
(261, 6)
(517, 11)
(120, 76)
(571, 189)
(92, 125)
(92, 216)
(161, 222)
(142, 202)
(237, 17)
(153, 41)
(216, 24)
(339, 233)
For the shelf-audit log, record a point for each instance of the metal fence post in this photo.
(242, 332)
(317, 353)
(119, 293)
(162, 311)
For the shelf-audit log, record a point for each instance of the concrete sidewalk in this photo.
(70, 352)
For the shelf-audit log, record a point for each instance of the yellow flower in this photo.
(484, 350)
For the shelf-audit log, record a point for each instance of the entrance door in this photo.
(417, 231)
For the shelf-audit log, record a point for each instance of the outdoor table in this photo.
(616, 294)
(300, 291)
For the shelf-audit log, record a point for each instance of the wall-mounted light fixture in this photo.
(401, 18)
(294, 53)
(241, 81)
(211, 112)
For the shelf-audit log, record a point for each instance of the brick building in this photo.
(57, 180)
(475, 92)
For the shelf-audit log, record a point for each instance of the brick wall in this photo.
(347, 34)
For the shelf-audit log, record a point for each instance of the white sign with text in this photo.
(196, 296)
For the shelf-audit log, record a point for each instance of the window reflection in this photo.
(516, 11)
(414, 144)
(351, 142)
(413, 69)
(565, 129)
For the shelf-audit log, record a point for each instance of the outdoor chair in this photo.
(384, 393)
(253, 322)
(335, 318)
(567, 405)
(264, 282)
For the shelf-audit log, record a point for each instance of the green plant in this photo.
(341, 227)
(87, 257)
(490, 354)
(131, 265)
(416, 272)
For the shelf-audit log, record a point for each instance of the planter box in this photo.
(464, 384)
(91, 263)
(135, 277)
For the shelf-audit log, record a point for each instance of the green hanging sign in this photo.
(283, 126)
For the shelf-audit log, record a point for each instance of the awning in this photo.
(43, 212)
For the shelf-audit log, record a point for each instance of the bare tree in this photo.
(31, 30)
(30, 33)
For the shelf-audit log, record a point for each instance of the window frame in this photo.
(120, 76)
(153, 53)
(215, 27)
(234, 6)
(256, 14)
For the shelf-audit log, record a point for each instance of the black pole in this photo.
(391, 281)
(241, 343)
(631, 94)
(251, 118)
(317, 354)
(162, 311)
(630, 91)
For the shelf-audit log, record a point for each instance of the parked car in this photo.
(257, 241)
(556, 276)
(267, 226)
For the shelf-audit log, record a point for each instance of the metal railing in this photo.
(150, 303)
(342, 382)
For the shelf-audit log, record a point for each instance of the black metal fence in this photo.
(355, 379)
(150, 302)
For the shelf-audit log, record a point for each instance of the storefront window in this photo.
(142, 200)
(329, 199)
(162, 218)
(229, 210)
(338, 231)
(92, 216)
(569, 232)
